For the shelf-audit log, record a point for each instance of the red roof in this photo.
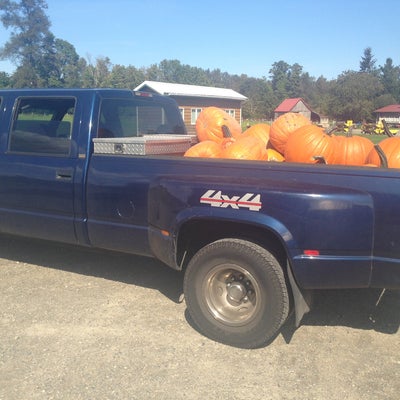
(288, 105)
(394, 108)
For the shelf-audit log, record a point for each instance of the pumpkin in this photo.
(245, 148)
(273, 155)
(207, 148)
(387, 151)
(283, 126)
(226, 142)
(210, 121)
(259, 130)
(352, 150)
(309, 144)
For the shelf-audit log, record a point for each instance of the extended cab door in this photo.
(37, 168)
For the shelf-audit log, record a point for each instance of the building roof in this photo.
(178, 89)
(394, 108)
(287, 105)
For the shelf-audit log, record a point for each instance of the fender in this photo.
(163, 241)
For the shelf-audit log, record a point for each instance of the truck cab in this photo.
(45, 147)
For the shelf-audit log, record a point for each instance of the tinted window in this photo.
(127, 118)
(42, 126)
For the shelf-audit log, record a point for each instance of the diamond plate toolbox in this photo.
(143, 145)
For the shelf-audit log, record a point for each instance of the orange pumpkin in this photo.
(370, 165)
(245, 148)
(259, 130)
(226, 142)
(273, 155)
(207, 148)
(352, 150)
(310, 143)
(283, 126)
(390, 147)
(210, 121)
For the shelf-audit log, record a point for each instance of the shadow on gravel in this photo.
(368, 309)
(130, 269)
(356, 308)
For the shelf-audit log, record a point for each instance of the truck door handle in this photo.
(64, 173)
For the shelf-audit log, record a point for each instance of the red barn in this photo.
(297, 105)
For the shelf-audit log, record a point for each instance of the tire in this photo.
(236, 293)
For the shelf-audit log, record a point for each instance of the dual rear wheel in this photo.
(236, 293)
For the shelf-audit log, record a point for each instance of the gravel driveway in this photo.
(79, 324)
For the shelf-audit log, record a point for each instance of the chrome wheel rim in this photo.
(232, 294)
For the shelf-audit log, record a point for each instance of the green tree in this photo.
(367, 63)
(307, 89)
(319, 95)
(289, 81)
(295, 81)
(64, 66)
(98, 74)
(279, 74)
(25, 76)
(125, 77)
(390, 78)
(219, 78)
(118, 78)
(30, 39)
(353, 96)
(5, 80)
(153, 73)
(260, 103)
(175, 72)
(384, 100)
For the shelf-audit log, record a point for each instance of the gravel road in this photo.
(80, 324)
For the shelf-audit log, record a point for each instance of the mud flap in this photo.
(301, 304)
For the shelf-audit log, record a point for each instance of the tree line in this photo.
(42, 60)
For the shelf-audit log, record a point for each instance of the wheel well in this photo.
(198, 233)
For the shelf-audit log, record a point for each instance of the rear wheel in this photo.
(236, 293)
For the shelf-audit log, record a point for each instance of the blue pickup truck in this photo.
(104, 168)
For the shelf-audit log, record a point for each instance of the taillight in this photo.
(311, 252)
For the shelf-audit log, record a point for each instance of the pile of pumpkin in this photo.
(291, 137)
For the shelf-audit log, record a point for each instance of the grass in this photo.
(374, 138)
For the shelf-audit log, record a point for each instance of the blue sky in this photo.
(325, 37)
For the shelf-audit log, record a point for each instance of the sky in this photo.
(325, 37)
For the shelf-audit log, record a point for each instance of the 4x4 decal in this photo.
(217, 199)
